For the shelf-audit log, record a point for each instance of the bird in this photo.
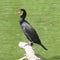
(28, 30)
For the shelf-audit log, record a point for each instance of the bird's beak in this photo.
(20, 12)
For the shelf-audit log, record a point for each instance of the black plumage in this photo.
(28, 30)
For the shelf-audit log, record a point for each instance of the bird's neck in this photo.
(22, 20)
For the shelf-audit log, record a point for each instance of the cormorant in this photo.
(28, 30)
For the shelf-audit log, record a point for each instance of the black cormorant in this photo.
(28, 30)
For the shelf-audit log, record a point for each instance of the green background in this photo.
(43, 15)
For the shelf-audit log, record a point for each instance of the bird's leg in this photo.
(31, 43)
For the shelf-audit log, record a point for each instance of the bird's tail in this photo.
(43, 46)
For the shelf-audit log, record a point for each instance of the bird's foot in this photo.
(31, 43)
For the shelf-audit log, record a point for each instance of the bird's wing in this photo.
(30, 32)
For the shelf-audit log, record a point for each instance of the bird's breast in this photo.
(26, 25)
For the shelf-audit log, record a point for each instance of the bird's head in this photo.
(22, 13)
